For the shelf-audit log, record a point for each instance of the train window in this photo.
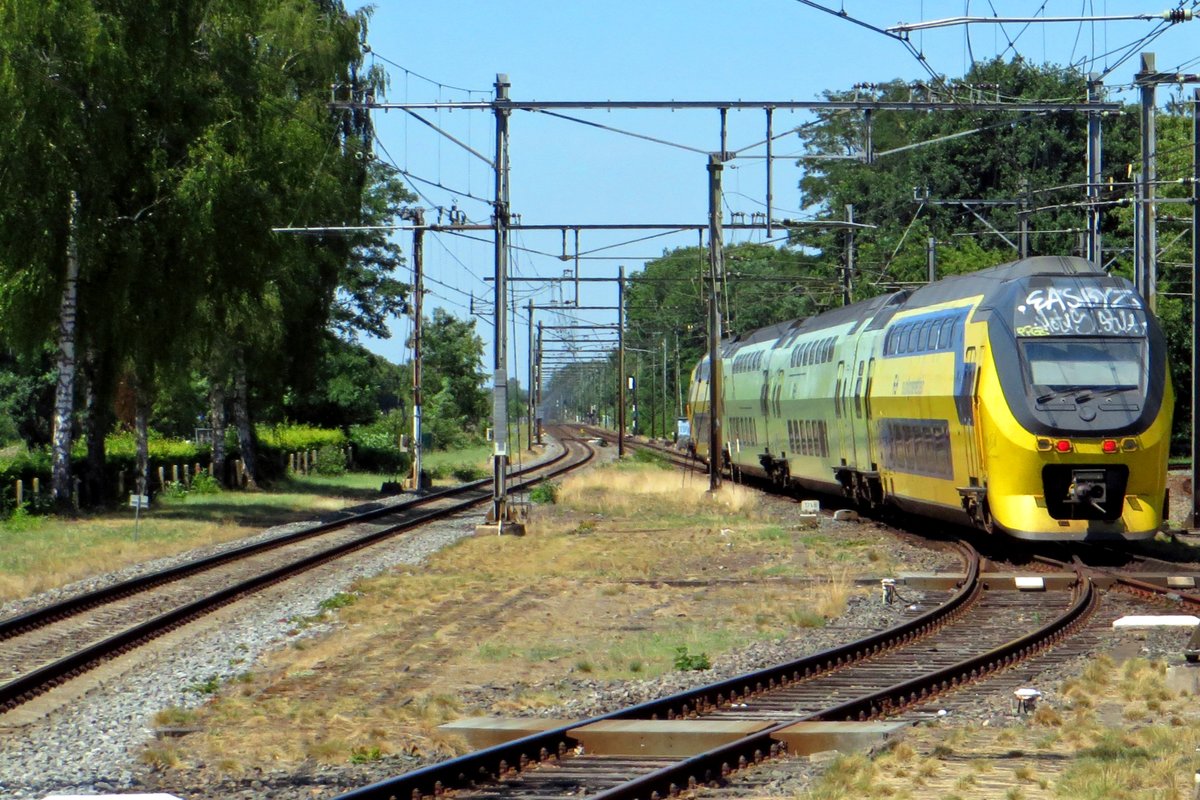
(837, 391)
(1085, 364)
(858, 391)
(923, 337)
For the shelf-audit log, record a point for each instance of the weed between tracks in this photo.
(632, 564)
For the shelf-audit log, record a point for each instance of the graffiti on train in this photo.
(1080, 311)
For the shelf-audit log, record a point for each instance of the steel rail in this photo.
(30, 685)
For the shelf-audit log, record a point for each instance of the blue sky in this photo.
(568, 173)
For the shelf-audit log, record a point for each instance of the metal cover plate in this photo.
(806, 738)
(677, 738)
(481, 732)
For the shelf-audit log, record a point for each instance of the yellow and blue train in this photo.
(1033, 399)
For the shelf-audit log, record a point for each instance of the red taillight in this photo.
(1063, 446)
(1109, 446)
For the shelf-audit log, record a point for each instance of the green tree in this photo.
(454, 396)
(353, 387)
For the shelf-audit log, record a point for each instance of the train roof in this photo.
(986, 282)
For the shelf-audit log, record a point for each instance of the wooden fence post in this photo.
(20, 493)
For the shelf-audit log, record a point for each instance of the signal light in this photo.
(1063, 446)
(1044, 444)
(1109, 446)
(1129, 444)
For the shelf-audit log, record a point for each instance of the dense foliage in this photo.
(147, 151)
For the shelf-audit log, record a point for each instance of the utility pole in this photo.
(1195, 516)
(418, 217)
(1147, 267)
(932, 253)
(849, 270)
(621, 363)
(716, 270)
(529, 386)
(537, 406)
(1095, 165)
(500, 220)
(664, 386)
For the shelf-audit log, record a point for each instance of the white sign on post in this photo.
(139, 500)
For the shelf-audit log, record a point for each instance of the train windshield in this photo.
(1095, 364)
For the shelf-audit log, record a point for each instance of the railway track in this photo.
(899, 673)
(49, 646)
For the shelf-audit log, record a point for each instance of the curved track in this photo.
(49, 646)
(973, 634)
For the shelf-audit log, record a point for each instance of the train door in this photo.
(774, 409)
(841, 410)
(859, 423)
(969, 392)
(870, 428)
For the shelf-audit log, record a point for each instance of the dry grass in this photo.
(54, 552)
(584, 594)
(1104, 740)
(43, 553)
(629, 490)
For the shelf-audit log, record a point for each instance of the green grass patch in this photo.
(772, 533)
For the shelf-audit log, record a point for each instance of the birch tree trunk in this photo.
(64, 392)
(216, 418)
(241, 418)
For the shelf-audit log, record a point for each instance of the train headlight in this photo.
(1044, 444)
(1109, 446)
(1063, 445)
(1129, 445)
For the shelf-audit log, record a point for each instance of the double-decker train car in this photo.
(1032, 399)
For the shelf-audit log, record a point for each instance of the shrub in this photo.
(290, 437)
(468, 472)
(544, 492)
(331, 460)
(204, 483)
(174, 490)
(688, 662)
